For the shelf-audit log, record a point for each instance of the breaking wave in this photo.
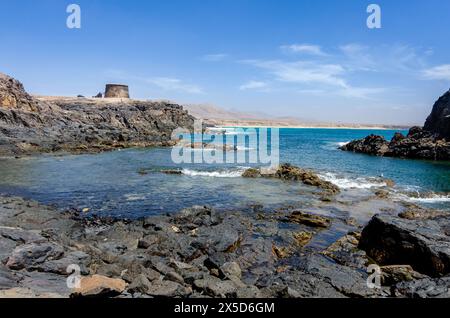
(352, 183)
(231, 173)
(424, 197)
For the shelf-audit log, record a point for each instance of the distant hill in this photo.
(218, 116)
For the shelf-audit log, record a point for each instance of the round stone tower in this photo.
(116, 91)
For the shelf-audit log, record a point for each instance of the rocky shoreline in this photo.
(253, 252)
(432, 142)
(199, 252)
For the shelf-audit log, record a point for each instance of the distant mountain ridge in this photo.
(218, 116)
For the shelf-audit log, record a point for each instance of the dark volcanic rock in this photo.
(309, 219)
(373, 145)
(439, 120)
(424, 288)
(418, 144)
(7, 278)
(202, 253)
(293, 173)
(423, 244)
(393, 274)
(430, 142)
(29, 124)
(31, 255)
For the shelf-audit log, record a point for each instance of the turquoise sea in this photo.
(129, 183)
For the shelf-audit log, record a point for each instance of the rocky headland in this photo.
(30, 124)
(431, 142)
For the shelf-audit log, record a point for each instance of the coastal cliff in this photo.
(430, 142)
(439, 120)
(49, 124)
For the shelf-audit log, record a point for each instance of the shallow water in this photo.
(110, 183)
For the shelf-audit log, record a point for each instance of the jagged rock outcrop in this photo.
(290, 172)
(29, 124)
(418, 144)
(439, 120)
(431, 142)
(422, 243)
(13, 95)
(372, 144)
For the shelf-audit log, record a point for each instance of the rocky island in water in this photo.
(334, 244)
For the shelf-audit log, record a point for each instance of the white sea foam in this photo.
(342, 143)
(425, 198)
(433, 199)
(134, 197)
(352, 183)
(232, 173)
(334, 145)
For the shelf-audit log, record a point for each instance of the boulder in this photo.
(21, 236)
(422, 244)
(167, 288)
(423, 288)
(31, 255)
(215, 287)
(140, 284)
(59, 266)
(393, 274)
(231, 269)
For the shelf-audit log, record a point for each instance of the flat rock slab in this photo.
(98, 286)
(30, 255)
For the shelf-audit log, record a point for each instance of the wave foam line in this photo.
(353, 183)
(236, 173)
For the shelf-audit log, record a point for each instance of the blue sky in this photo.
(309, 59)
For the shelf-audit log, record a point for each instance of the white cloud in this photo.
(441, 72)
(174, 84)
(253, 85)
(303, 72)
(358, 57)
(303, 48)
(215, 57)
(318, 77)
(360, 92)
(399, 58)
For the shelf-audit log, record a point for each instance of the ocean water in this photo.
(114, 183)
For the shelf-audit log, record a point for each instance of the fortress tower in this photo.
(116, 91)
